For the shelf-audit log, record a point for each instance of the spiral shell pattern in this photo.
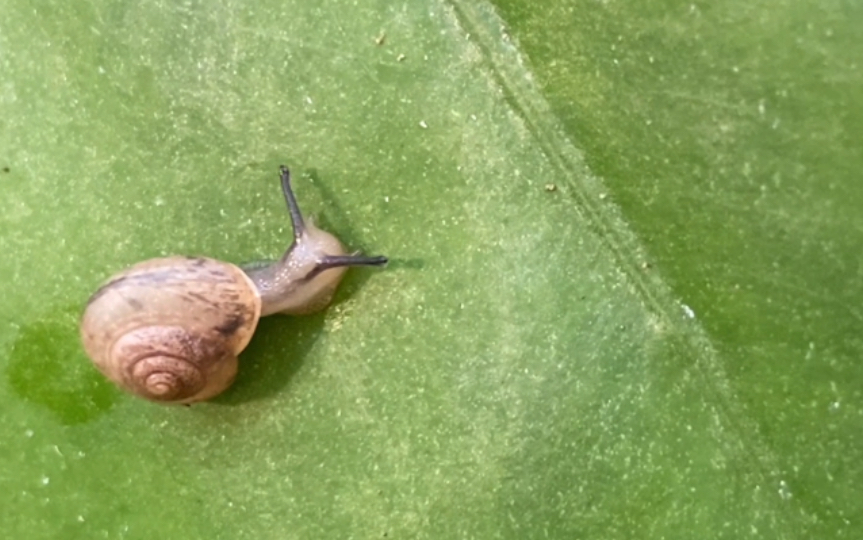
(170, 329)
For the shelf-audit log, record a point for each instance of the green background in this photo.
(625, 296)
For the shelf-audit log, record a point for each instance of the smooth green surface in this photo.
(665, 346)
(731, 136)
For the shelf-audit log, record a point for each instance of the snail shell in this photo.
(170, 329)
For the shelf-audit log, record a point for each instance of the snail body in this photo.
(170, 329)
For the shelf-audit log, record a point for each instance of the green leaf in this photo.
(623, 297)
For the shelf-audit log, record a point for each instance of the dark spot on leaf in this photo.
(47, 367)
(6, 169)
(136, 305)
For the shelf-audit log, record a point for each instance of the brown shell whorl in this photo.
(170, 329)
(170, 364)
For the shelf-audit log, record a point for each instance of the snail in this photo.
(170, 329)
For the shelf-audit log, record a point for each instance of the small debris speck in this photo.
(382, 37)
(550, 187)
(400, 58)
(690, 314)
(423, 124)
(784, 492)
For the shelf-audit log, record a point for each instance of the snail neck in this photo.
(305, 278)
